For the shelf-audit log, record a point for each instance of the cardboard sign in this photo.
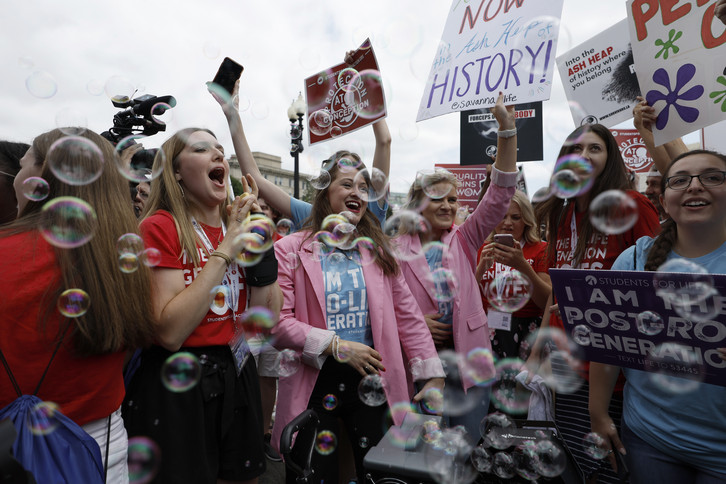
(607, 305)
(599, 78)
(633, 149)
(680, 59)
(345, 97)
(478, 132)
(470, 179)
(490, 46)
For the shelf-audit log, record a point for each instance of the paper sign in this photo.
(490, 46)
(599, 78)
(470, 179)
(632, 148)
(679, 336)
(345, 97)
(478, 134)
(680, 60)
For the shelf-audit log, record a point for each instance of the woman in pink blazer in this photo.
(350, 318)
(457, 321)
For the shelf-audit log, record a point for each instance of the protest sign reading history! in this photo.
(599, 78)
(345, 97)
(652, 321)
(490, 46)
(680, 58)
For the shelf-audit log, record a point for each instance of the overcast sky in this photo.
(163, 47)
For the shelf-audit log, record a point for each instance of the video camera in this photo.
(138, 116)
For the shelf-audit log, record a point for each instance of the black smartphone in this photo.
(504, 239)
(623, 472)
(228, 73)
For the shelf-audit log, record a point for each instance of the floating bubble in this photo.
(325, 442)
(245, 258)
(42, 418)
(119, 89)
(330, 401)
(320, 122)
(363, 443)
(526, 460)
(408, 131)
(263, 229)
(376, 182)
(151, 257)
(128, 263)
(75, 160)
(345, 78)
(509, 291)
(293, 259)
(541, 195)
(448, 459)
(287, 362)
(284, 227)
(416, 367)
(433, 183)
(650, 323)
(349, 165)
(433, 401)
(566, 184)
(431, 431)
(613, 212)
(321, 180)
(496, 430)
(456, 400)
(507, 395)
(462, 213)
(295, 132)
(219, 299)
(336, 131)
(571, 176)
(71, 121)
(222, 93)
(136, 168)
(479, 367)
(371, 390)
(162, 113)
(344, 236)
(130, 244)
(582, 334)
(366, 251)
(445, 284)
(552, 459)
(503, 465)
(41, 85)
(595, 446)
(35, 188)
(694, 296)
(675, 368)
(67, 222)
(211, 49)
(373, 104)
(73, 303)
(336, 262)
(561, 359)
(406, 222)
(181, 372)
(482, 459)
(398, 436)
(144, 459)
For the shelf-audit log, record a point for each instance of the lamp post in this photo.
(295, 114)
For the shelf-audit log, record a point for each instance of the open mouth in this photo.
(696, 203)
(353, 205)
(217, 175)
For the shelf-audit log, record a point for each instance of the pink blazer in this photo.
(397, 325)
(470, 328)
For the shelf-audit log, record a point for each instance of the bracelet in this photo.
(336, 348)
(506, 133)
(222, 255)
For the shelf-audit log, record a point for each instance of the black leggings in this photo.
(364, 425)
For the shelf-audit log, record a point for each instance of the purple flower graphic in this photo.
(672, 96)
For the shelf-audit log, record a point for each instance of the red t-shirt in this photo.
(536, 256)
(603, 249)
(85, 389)
(159, 232)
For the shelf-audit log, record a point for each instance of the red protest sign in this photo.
(470, 178)
(633, 149)
(345, 97)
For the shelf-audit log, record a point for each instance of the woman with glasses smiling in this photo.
(673, 437)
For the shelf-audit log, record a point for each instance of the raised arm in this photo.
(643, 118)
(382, 154)
(275, 196)
(506, 136)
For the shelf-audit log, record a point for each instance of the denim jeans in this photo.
(649, 465)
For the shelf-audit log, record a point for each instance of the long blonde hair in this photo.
(531, 230)
(120, 314)
(167, 194)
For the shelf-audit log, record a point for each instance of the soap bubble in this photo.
(376, 181)
(181, 372)
(42, 418)
(143, 460)
(136, 169)
(595, 445)
(128, 263)
(321, 180)
(130, 244)
(371, 390)
(526, 460)
(284, 227)
(503, 465)
(75, 160)
(151, 257)
(693, 296)
(433, 184)
(613, 212)
(675, 368)
(41, 85)
(507, 395)
(448, 459)
(287, 362)
(482, 459)
(325, 442)
(320, 122)
(71, 121)
(496, 430)
(35, 188)
(552, 459)
(509, 291)
(650, 323)
(330, 401)
(73, 303)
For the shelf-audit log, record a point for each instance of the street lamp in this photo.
(295, 114)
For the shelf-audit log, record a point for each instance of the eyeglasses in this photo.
(708, 179)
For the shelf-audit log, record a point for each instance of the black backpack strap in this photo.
(10, 374)
(57, 347)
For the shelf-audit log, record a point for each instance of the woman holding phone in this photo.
(514, 245)
(457, 322)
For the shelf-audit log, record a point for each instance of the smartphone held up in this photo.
(504, 239)
(227, 74)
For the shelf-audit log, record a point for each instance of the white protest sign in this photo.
(599, 78)
(490, 46)
(680, 56)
